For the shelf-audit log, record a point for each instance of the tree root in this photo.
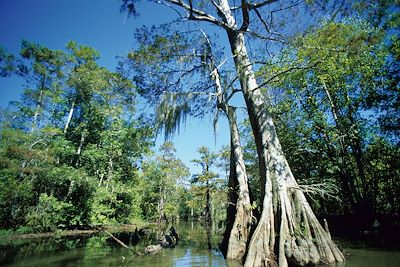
(261, 246)
(302, 239)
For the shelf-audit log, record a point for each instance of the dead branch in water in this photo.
(122, 243)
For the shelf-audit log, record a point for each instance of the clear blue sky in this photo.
(97, 23)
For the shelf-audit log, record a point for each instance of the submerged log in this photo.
(151, 249)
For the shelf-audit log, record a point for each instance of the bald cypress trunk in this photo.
(301, 238)
(287, 219)
(239, 213)
(240, 228)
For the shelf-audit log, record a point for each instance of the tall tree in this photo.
(56, 178)
(206, 161)
(324, 107)
(281, 192)
(164, 174)
(43, 72)
(179, 101)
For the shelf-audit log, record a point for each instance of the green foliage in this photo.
(6, 63)
(69, 154)
(322, 89)
(162, 178)
(48, 215)
(206, 187)
(122, 205)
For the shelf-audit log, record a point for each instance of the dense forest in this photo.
(74, 153)
(319, 137)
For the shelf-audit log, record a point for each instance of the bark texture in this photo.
(240, 231)
(238, 227)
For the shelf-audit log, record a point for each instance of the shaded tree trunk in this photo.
(232, 199)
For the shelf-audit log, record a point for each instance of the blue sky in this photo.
(99, 24)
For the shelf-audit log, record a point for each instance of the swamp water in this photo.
(192, 250)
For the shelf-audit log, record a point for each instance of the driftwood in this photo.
(122, 243)
(167, 241)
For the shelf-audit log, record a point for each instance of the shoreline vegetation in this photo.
(8, 234)
(382, 233)
(320, 132)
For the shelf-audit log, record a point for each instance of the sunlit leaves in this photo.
(73, 172)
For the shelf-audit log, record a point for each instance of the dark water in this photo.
(192, 250)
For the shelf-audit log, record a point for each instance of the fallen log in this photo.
(122, 243)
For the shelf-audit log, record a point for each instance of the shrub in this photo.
(48, 215)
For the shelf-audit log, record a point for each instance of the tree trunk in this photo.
(161, 204)
(362, 203)
(79, 150)
(282, 195)
(232, 199)
(110, 172)
(71, 112)
(239, 216)
(207, 211)
(240, 231)
(37, 110)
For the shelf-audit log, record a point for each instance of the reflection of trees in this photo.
(197, 242)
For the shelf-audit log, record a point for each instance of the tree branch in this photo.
(234, 91)
(287, 7)
(262, 20)
(246, 17)
(195, 14)
(284, 72)
(173, 8)
(268, 38)
(261, 4)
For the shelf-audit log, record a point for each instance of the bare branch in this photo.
(261, 4)
(328, 189)
(262, 20)
(40, 141)
(173, 8)
(234, 91)
(195, 14)
(284, 72)
(267, 38)
(288, 7)
(187, 72)
(246, 17)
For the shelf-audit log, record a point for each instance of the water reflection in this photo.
(198, 246)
